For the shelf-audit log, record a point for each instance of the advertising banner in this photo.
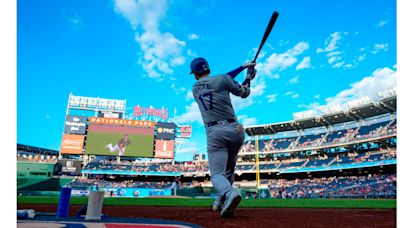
(72, 144)
(114, 115)
(136, 192)
(70, 166)
(75, 125)
(164, 149)
(110, 140)
(165, 131)
(114, 121)
(186, 131)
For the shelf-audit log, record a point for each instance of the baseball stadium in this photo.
(340, 162)
(166, 113)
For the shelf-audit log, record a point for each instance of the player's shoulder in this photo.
(221, 77)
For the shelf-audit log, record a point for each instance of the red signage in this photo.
(186, 131)
(164, 149)
(139, 111)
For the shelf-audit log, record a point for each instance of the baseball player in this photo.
(120, 146)
(225, 135)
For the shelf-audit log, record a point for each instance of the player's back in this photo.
(212, 96)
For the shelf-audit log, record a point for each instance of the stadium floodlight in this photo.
(359, 102)
(96, 104)
(331, 109)
(304, 115)
(387, 93)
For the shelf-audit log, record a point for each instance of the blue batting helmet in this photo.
(200, 66)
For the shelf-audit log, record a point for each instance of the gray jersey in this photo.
(212, 96)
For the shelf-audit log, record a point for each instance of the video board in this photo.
(117, 137)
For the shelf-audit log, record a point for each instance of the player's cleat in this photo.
(231, 204)
(217, 205)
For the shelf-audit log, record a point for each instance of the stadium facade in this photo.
(333, 152)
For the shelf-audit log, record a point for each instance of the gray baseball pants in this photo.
(223, 144)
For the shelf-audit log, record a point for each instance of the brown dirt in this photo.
(249, 217)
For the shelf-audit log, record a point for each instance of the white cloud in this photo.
(338, 65)
(381, 79)
(187, 150)
(305, 63)
(48, 117)
(381, 23)
(279, 62)
(380, 47)
(161, 52)
(271, 97)
(361, 57)
(334, 56)
(186, 147)
(191, 53)
(383, 20)
(246, 121)
(192, 114)
(296, 95)
(193, 36)
(73, 19)
(189, 95)
(257, 89)
(292, 94)
(176, 89)
(317, 96)
(311, 106)
(331, 43)
(294, 80)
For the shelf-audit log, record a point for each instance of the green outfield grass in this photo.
(250, 203)
(141, 145)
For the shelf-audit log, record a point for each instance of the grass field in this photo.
(141, 145)
(250, 203)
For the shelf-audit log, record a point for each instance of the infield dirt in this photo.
(248, 217)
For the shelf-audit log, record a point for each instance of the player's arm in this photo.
(242, 90)
(237, 71)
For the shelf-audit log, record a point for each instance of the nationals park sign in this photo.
(154, 113)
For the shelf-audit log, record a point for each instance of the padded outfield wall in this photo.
(36, 176)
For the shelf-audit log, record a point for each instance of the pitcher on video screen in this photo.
(120, 146)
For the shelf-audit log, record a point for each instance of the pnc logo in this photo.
(166, 130)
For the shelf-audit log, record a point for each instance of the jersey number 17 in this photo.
(202, 99)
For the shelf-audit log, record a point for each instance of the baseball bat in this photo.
(267, 32)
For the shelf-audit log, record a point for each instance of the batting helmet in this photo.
(200, 66)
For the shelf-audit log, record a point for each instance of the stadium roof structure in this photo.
(383, 106)
(35, 150)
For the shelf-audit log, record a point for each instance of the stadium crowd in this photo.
(202, 167)
(327, 138)
(370, 186)
(148, 167)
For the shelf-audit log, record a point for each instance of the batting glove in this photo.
(248, 64)
(251, 73)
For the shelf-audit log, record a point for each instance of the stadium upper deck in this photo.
(364, 123)
(386, 105)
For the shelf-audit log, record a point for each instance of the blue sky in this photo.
(319, 53)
